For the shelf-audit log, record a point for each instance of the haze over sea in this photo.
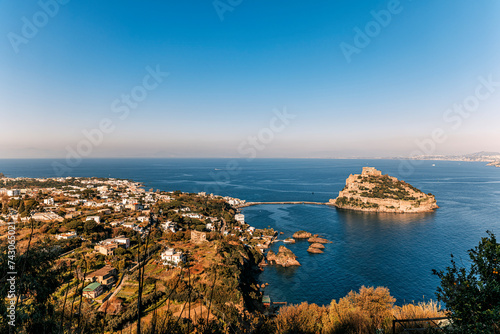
(393, 250)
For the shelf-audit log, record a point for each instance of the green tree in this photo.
(472, 295)
(120, 251)
(21, 207)
(89, 226)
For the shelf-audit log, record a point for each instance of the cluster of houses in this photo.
(113, 197)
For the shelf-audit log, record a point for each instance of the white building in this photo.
(129, 225)
(13, 192)
(97, 219)
(169, 226)
(192, 215)
(172, 257)
(123, 241)
(143, 219)
(240, 218)
(66, 236)
(119, 241)
(48, 201)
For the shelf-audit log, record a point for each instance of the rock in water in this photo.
(317, 245)
(302, 235)
(372, 191)
(318, 240)
(314, 250)
(284, 257)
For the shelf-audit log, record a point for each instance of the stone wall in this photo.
(371, 171)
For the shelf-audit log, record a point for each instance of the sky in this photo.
(248, 79)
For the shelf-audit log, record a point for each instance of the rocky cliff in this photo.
(372, 191)
(284, 257)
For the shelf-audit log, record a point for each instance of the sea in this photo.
(397, 251)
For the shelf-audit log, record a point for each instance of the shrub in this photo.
(376, 302)
(365, 311)
(473, 295)
(303, 318)
(422, 310)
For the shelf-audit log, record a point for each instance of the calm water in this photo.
(396, 251)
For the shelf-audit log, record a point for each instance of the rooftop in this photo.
(101, 272)
(92, 286)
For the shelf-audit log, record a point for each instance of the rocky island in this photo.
(315, 239)
(316, 248)
(494, 163)
(302, 235)
(373, 192)
(284, 257)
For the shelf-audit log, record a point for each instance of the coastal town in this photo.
(109, 256)
(116, 241)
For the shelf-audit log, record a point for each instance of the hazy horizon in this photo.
(245, 79)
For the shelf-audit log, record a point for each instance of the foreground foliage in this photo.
(371, 310)
(473, 295)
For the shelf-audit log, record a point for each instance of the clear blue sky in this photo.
(226, 76)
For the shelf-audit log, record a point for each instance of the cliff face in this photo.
(374, 192)
(284, 257)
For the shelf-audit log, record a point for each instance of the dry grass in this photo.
(367, 311)
(303, 318)
(421, 310)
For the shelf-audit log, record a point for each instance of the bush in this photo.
(365, 311)
(473, 295)
(422, 310)
(377, 303)
(303, 318)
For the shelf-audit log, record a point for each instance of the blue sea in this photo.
(392, 250)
